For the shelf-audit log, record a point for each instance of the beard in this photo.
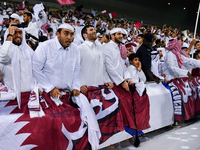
(17, 43)
(117, 40)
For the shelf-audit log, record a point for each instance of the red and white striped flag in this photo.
(22, 6)
(112, 15)
(104, 12)
(65, 2)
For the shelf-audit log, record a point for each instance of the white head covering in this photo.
(14, 15)
(185, 45)
(185, 38)
(115, 30)
(163, 51)
(66, 26)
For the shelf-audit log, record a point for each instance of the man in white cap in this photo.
(115, 60)
(14, 18)
(56, 65)
(92, 59)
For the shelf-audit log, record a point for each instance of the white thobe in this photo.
(5, 59)
(54, 66)
(136, 76)
(92, 60)
(172, 69)
(115, 64)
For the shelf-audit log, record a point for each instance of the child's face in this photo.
(135, 62)
(160, 53)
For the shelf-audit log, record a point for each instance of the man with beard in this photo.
(144, 54)
(115, 60)
(16, 55)
(56, 66)
(92, 60)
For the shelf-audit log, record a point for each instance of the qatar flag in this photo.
(104, 12)
(112, 15)
(65, 2)
(22, 6)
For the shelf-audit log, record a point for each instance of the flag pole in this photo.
(195, 30)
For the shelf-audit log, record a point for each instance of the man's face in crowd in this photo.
(25, 18)
(20, 13)
(139, 40)
(118, 37)
(198, 46)
(6, 22)
(65, 37)
(91, 34)
(17, 37)
(198, 56)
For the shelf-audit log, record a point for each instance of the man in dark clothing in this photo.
(144, 53)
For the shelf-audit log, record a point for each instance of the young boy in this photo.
(137, 75)
(135, 69)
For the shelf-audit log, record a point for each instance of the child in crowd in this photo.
(137, 75)
(135, 69)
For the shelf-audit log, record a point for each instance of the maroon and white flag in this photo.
(65, 2)
(22, 6)
(112, 15)
(186, 97)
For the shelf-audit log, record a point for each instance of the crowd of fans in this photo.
(150, 52)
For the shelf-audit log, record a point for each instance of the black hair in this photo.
(197, 42)
(141, 35)
(132, 56)
(84, 30)
(196, 53)
(158, 41)
(59, 30)
(28, 14)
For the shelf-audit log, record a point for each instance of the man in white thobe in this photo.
(56, 65)
(16, 55)
(173, 68)
(115, 64)
(92, 60)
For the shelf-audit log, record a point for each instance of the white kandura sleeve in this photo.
(6, 52)
(39, 60)
(142, 76)
(106, 77)
(190, 61)
(77, 78)
(172, 66)
(126, 72)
